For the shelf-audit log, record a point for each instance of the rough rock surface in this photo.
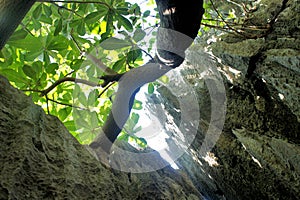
(40, 159)
(258, 153)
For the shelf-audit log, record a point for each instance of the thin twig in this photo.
(65, 8)
(223, 20)
(106, 88)
(47, 99)
(66, 104)
(101, 65)
(65, 79)
(76, 43)
(26, 29)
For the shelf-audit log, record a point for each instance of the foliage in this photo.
(50, 45)
(49, 49)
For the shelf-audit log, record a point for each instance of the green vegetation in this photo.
(46, 57)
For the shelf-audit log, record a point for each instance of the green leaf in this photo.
(142, 142)
(38, 68)
(37, 12)
(29, 71)
(135, 117)
(76, 64)
(94, 120)
(81, 28)
(109, 21)
(146, 13)
(133, 55)
(82, 99)
(19, 35)
(114, 43)
(92, 17)
(13, 76)
(119, 64)
(124, 22)
(56, 43)
(138, 35)
(36, 24)
(92, 98)
(150, 88)
(46, 58)
(58, 27)
(123, 136)
(122, 10)
(70, 125)
(30, 43)
(81, 123)
(137, 105)
(45, 19)
(63, 114)
(51, 68)
(47, 10)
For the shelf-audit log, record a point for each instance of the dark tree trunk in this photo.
(11, 14)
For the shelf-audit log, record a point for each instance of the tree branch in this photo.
(65, 79)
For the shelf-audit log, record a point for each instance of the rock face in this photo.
(41, 160)
(258, 153)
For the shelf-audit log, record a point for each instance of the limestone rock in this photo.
(41, 160)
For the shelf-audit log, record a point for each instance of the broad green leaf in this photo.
(36, 24)
(37, 12)
(38, 67)
(133, 55)
(47, 10)
(138, 35)
(75, 64)
(30, 43)
(150, 88)
(70, 125)
(81, 28)
(122, 10)
(13, 76)
(119, 64)
(81, 123)
(58, 27)
(30, 56)
(56, 43)
(63, 113)
(124, 22)
(92, 17)
(46, 58)
(114, 43)
(146, 13)
(94, 120)
(45, 19)
(82, 99)
(29, 71)
(92, 98)
(51, 68)
(109, 21)
(19, 35)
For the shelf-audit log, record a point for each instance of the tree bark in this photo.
(11, 14)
